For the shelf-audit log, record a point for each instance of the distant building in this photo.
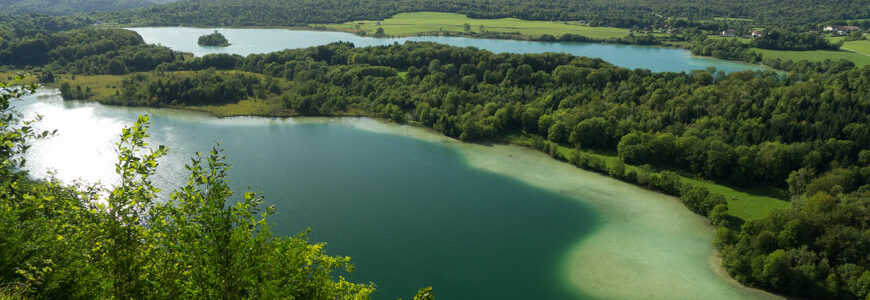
(841, 30)
(757, 33)
(729, 32)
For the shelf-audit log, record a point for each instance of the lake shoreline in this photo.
(450, 34)
(517, 161)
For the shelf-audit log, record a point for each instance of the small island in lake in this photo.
(213, 39)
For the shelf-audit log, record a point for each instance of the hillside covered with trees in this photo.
(68, 7)
(625, 14)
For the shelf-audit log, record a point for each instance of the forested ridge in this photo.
(15, 27)
(806, 131)
(86, 51)
(622, 13)
(68, 7)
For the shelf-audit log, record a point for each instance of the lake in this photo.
(413, 208)
(248, 41)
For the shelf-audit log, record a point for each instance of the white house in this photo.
(841, 30)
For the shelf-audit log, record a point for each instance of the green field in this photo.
(406, 24)
(862, 47)
(9, 76)
(859, 59)
(857, 46)
(746, 204)
(719, 37)
(733, 19)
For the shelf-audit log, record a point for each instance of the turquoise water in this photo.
(415, 209)
(248, 41)
(411, 213)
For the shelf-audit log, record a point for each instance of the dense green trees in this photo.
(626, 14)
(80, 241)
(732, 49)
(206, 87)
(13, 27)
(693, 121)
(820, 249)
(86, 51)
(213, 39)
(786, 40)
(68, 7)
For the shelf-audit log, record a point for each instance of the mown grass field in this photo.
(103, 86)
(859, 59)
(719, 37)
(406, 24)
(732, 19)
(247, 107)
(746, 204)
(857, 52)
(10, 76)
(854, 46)
(862, 47)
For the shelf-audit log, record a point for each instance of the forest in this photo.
(69, 7)
(86, 51)
(785, 40)
(624, 14)
(14, 27)
(213, 39)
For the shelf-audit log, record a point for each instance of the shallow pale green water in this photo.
(413, 208)
(247, 41)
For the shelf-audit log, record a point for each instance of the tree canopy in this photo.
(213, 39)
(621, 13)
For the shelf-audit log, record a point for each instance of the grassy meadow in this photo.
(739, 38)
(862, 47)
(9, 76)
(406, 24)
(746, 204)
(857, 52)
(860, 59)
